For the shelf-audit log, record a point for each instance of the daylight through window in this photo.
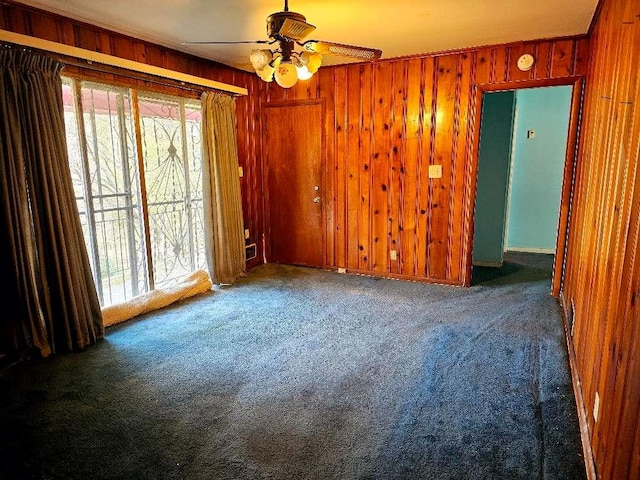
(137, 174)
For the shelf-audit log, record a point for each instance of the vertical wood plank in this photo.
(380, 166)
(470, 170)
(340, 166)
(352, 160)
(16, 19)
(425, 158)
(562, 63)
(446, 74)
(104, 43)
(155, 56)
(4, 22)
(464, 82)
(483, 60)
(499, 61)
(87, 38)
(326, 81)
(140, 53)
(581, 57)
(365, 165)
(44, 26)
(396, 174)
(543, 55)
(409, 169)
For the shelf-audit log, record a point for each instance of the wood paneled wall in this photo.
(18, 18)
(602, 281)
(386, 123)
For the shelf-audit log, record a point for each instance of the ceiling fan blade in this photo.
(225, 43)
(295, 29)
(329, 48)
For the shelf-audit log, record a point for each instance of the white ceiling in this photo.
(397, 27)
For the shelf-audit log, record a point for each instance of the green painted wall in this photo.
(494, 157)
(538, 166)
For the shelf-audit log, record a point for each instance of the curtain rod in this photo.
(103, 58)
(86, 65)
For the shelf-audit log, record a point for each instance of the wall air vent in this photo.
(251, 251)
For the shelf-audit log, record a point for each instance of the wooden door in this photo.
(293, 146)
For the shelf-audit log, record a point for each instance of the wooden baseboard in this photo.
(394, 276)
(587, 452)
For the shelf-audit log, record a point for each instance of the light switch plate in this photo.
(435, 171)
(240, 171)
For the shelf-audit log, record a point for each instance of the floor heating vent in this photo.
(251, 251)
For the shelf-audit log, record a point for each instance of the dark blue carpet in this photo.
(298, 373)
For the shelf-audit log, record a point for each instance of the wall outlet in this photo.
(531, 134)
(596, 407)
(342, 270)
(393, 254)
(246, 233)
(240, 172)
(435, 171)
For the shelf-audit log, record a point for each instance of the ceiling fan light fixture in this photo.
(311, 60)
(260, 58)
(266, 73)
(303, 72)
(286, 74)
(283, 63)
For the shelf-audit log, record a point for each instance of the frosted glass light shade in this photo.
(311, 60)
(266, 73)
(303, 72)
(260, 58)
(286, 75)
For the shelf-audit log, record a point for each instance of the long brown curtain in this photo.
(52, 301)
(226, 254)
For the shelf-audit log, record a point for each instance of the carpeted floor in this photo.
(298, 373)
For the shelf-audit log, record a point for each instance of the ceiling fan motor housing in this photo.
(287, 24)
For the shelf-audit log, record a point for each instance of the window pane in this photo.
(74, 143)
(170, 129)
(104, 167)
(193, 121)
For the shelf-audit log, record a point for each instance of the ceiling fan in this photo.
(286, 30)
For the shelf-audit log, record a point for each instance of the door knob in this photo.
(316, 199)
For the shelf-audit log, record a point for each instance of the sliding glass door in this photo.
(137, 173)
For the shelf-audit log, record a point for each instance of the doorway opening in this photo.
(522, 174)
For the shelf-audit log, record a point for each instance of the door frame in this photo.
(265, 173)
(571, 155)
